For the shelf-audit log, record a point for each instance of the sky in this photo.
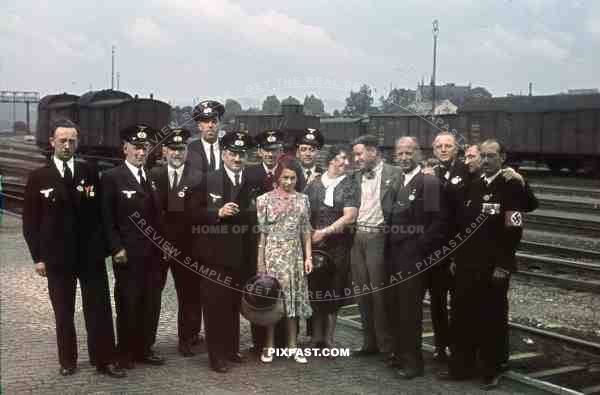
(186, 50)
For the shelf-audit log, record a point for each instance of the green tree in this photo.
(271, 105)
(359, 103)
(313, 105)
(397, 99)
(232, 108)
(290, 100)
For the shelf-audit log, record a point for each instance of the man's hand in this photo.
(228, 210)
(500, 274)
(120, 257)
(453, 267)
(510, 173)
(308, 265)
(428, 171)
(40, 268)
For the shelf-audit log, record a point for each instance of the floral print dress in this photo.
(282, 218)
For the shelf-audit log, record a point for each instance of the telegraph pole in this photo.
(436, 32)
(118, 79)
(112, 69)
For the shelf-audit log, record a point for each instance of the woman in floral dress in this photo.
(284, 250)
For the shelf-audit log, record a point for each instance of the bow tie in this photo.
(369, 174)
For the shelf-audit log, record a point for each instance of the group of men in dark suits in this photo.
(72, 220)
(413, 225)
(406, 214)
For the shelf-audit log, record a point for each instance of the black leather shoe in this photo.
(185, 349)
(67, 371)
(490, 382)
(112, 370)
(237, 358)
(152, 358)
(219, 366)
(409, 373)
(440, 355)
(363, 352)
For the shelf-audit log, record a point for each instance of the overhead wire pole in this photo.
(436, 32)
(112, 69)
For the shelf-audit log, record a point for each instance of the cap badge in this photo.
(141, 134)
(239, 143)
(271, 139)
(310, 136)
(177, 139)
(207, 110)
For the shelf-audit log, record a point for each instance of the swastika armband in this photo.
(513, 218)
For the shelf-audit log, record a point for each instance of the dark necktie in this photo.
(68, 175)
(141, 176)
(175, 180)
(308, 173)
(237, 180)
(369, 174)
(212, 166)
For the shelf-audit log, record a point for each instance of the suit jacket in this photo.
(61, 225)
(125, 204)
(493, 241)
(390, 182)
(225, 241)
(301, 182)
(176, 204)
(257, 176)
(197, 157)
(419, 219)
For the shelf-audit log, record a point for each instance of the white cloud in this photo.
(269, 30)
(145, 32)
(503, 44)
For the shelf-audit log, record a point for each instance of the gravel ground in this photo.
(576, 313)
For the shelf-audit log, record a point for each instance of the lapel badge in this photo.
(46, 192)
(153, 185)
(468, 203)
(129, 194)
(181, 194)
(487, 197)
(82, 181)
(456, 180)
(79, 188)
(411, 197)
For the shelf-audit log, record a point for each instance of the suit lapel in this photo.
(386, 180)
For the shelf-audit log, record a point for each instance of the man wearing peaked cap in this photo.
(205, 153)
(130, 208)
(177, 182)
(231, 252)
(270, 143)
(308, 146)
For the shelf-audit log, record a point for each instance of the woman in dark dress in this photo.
(334, 202)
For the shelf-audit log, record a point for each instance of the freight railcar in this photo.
(561, 131)
(101, 115)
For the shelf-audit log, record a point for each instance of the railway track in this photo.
(540, 359)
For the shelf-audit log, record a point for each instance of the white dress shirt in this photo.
(134, 171)
(60, 166)
(216, 150)
(269, 171)
(171, 173)
(370, 212)
(489, 180)
(231, 175)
